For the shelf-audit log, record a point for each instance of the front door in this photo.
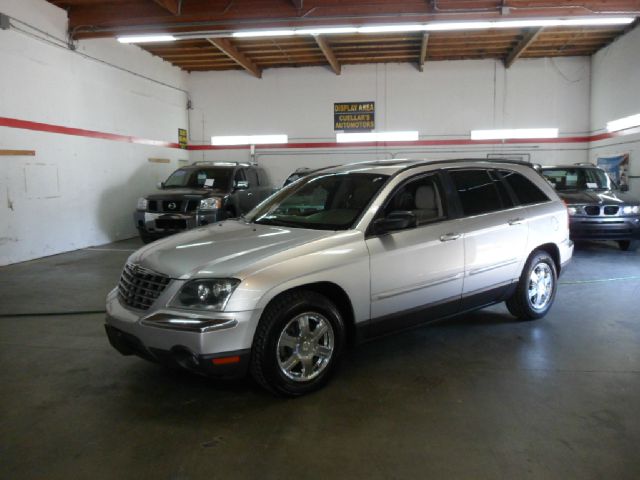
(419, 268)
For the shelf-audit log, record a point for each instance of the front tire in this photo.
(298, 344)
(536, 288)
(628, 245)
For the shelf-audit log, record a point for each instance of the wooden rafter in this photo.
(328, 53)
(423, 51)
(226, 47)
(528, 38)
(173, 6)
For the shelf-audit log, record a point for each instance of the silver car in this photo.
(342, 255)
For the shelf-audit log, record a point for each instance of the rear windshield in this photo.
(219, 178)
(578, 179)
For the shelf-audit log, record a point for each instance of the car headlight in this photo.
(142, 204)
(210, 204)
(572, 210)
(630, 209)
(205, 294)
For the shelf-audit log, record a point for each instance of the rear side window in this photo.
(252, 177)
(477, 191)
(524, 189)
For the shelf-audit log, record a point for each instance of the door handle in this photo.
(516, 221)
(447, 237)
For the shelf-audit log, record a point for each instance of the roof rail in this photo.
(221, 164)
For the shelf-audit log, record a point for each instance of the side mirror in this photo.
(160, 185)
(395, 221)
(624, 188)
(242, 185)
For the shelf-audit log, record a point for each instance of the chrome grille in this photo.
(139, 287)
(592, 210)
(611, 210)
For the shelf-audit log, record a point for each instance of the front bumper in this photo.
(163, 224)
(601, 228)
(218, 353)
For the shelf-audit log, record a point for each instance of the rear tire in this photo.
(146, 238)
(536, 288)
(628, 245)
(298, 344)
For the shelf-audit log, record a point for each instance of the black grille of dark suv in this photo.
(139, 287)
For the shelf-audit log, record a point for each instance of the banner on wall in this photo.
(617, 167)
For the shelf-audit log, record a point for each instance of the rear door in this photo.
(495, 232)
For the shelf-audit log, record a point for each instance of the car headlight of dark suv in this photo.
(208, 204)
(630, 210)
(210, 294)
(574, 209)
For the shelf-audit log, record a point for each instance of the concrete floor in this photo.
(483, 396)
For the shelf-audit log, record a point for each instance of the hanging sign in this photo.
(354, 116)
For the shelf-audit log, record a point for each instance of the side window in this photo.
(525, 190)
(422, 197)
(505, 196)
(252, 177)
(239, 176)
(201, 177)
(477, 191)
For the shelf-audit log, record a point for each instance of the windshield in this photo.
(326, 202)
(219, 178)
(578, 179)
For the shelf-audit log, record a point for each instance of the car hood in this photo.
(222, 249)
(168, 193)
(597, 197)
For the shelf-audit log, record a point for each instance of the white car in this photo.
(386, 245)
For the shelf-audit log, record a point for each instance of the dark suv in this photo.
(200, 194)
(598, 208)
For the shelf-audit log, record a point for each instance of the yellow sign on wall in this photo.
(183, 138)
(354, 116)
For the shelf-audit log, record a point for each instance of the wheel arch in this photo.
(335, 294)
(553, 250)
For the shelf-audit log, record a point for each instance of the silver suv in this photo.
(342, 255)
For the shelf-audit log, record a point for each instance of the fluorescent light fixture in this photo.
(249, 139)
(441, 26)
(392, 28)
(263, 33)
(326, 31)
(514, 133)
(376, 137)
(147, 38)
(623, 123)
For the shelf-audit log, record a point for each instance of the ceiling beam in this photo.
(529, 37)
(423, 51)
(328, 53)
(226, 47)
(173, 6)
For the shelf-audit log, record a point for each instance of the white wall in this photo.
(615, 93)
(447, 100)
(77, 191)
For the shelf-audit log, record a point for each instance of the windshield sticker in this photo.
(592, 185)
(209, 182)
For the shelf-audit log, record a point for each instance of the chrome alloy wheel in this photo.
(305, 346)
(540, 286)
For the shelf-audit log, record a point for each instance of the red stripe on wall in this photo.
(45, 127)
(78, 132)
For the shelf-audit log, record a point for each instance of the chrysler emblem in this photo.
(172, 206)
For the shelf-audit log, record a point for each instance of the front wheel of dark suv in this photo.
(536, 288)
(298, 343)
(628, 245)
